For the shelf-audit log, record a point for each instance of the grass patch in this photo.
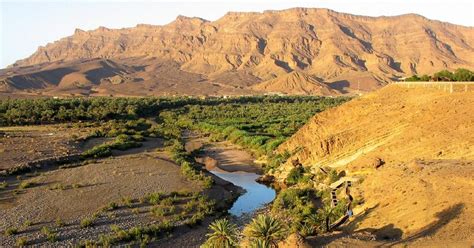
(21, 242)
(11, 231)
(25, 185)
(87, 222)
(3, 185)
(51, 236)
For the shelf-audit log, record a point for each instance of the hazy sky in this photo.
(25, 25)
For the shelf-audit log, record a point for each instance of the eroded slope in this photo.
(413, 148)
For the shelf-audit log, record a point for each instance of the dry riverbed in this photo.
(61, 198)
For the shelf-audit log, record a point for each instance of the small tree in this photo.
(463, 75)
(425, 78)
(444, 75)
(224, 234)
(265, 230)
(413, 78)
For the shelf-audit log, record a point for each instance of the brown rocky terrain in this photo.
(413, 148)
(192, 56)
(295, 83)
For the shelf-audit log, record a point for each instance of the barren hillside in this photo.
(295, 83)
(414, 150)
(229, 55)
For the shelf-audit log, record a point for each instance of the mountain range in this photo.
(293, 51)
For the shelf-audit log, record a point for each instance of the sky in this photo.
(26, 25)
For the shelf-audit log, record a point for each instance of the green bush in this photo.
(87, 222)
(98, 151)
(295, 203)
(11, 231)
(3, 185)
(50, 235)
(295, 176)
(25, 184)
(21, 242)
(463, 75)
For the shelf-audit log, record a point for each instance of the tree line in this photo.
(459, 75)
(49, 111)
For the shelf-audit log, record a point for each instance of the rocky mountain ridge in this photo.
(348, 52)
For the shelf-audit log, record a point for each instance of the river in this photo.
(234, 165)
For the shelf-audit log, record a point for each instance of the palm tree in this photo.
(223, 235)
(259, 243)
(264, 231)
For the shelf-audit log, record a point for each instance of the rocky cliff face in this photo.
(338, 48)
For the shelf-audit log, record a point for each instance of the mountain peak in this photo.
(250, 47)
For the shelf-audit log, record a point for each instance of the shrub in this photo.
(444, 75)
(127, 201)
(111, 206)
(25, 184)
(154, 198)
(295, 203)
(3, 185)
(27, 223)
(59, 222)
(50, 235)
(135, 211)
(333, 176)
(295, 175)
(21, 242)
(158, 211)
(306, 229)
(87, 222)
(11, 231)
(58, 186)
(98, 151)
(463, 75)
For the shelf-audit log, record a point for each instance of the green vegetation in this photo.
(87, 222)
(258, 126)
(297, 175)
(265, 231)
(3, 185)
(188, 167)
(110, 206)
(459, 75)
(295, 204)
(127, 201)
(257, 123)
(59, 222)
(25, 184)
(169, 211)
(27, 223)
(223, 235)
(51, 236)
(11, 231)
(21, 242)
(47, 110)
(122, 142)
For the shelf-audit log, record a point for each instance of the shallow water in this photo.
(256, 194)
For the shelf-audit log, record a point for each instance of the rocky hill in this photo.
(413, 150)
(229, 55)
(295, 83)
